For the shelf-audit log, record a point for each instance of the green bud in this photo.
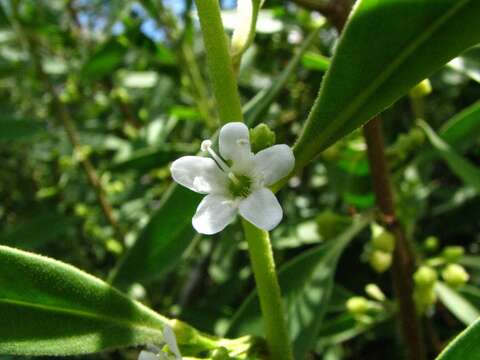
(421, 89)
(453, 253)
(261, 137)
(81, 210)
(384, 242)
(455, 275)
(424, 298)
(330, 224)
(425, 277)
(114, 246)
(357, 305)
(431, 243)
(375, 292)
(380, 260)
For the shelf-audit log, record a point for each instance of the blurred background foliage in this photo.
(98, 97)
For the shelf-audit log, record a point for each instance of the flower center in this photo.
(239, 185)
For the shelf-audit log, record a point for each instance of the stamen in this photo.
(234, 179)
(207, 146)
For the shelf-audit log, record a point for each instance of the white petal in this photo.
(234, 143)
(262, 209)
(274, 163)
(171, 341)
(199, 174)
(213, 214)
(147, 355)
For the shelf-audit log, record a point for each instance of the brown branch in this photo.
(336, 11)
(403, 261)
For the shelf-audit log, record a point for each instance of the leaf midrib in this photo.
(389, 70)
(79, 313)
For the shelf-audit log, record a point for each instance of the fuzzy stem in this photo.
(274, 320)
(219, 62)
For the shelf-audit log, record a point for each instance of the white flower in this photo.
(237, 188)
(155, 353)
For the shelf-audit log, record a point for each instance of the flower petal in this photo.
(262, 209)
(199, 174)
(213, 214)
(274, 163)
(234, 143)
(171, 341)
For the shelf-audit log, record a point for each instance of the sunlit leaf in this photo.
(385, 49)
(51, 308)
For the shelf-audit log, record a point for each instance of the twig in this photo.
(69, 126)
(404, 260)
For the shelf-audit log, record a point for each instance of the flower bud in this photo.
(424, 298)
(375, 292)
(453, 253)
(455, 275)
(357, 305)
(384, 242)
(380, 260)
(425, 277)
(261, 137)
(421, 89)
(431, 243)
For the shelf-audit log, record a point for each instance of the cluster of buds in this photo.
(382, 246)
(425, 278)
(424, 294)
(362, 308)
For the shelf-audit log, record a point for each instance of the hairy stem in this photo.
(404, 261)
(219, 62)
(263, 265)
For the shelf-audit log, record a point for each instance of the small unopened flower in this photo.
(155, 353)
(235, 181)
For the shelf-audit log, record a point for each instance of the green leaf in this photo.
(385, 49)
(37, 231)
(306, 283)
(20, 129)
(465, 346)
(260, 103)
(104, 60)
(468, 64)
(162, 242)
(462, 130)
(148, 158)
(459, 165)
(51, 308)
(316, 62)
(457, 304)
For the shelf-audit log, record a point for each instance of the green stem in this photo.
(219, 62)
(274, 320)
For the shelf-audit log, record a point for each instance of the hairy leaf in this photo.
(51, 308)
